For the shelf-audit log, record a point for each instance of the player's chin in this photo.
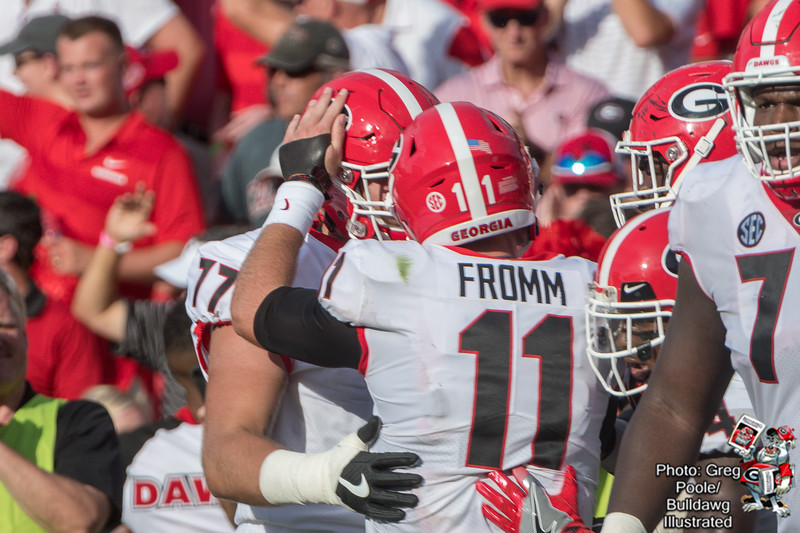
(640, 373)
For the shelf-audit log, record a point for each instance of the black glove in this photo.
(369, 485)
(304, 160)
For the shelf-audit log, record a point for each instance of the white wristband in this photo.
(289, 477)
(622, 523)
(296, 204)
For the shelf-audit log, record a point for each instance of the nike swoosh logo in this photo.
(633, 288)
(361, 490)
(286, 205)
(115, 164)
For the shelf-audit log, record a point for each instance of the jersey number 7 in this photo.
(773, 270)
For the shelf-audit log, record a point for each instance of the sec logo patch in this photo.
(436, 202)
(751, 229)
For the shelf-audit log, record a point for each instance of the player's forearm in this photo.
(137, 265)
(666, 431)
(68, 506)
(638, 490)
(245, 385)
(231, 462)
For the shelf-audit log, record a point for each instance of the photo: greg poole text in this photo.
(698, 504)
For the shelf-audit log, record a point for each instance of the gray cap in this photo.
(38, 34)
(308, 44)
(612, 114)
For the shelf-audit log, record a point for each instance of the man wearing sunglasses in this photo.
(309, 54)
(541, 97)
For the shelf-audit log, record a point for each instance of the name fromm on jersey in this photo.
(511, 283)
(480, 229)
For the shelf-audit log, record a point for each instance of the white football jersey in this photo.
(742, 252)
(165, 488)
(474, 364)
(319, 406)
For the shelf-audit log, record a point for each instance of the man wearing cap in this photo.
(34, 51)
(545, 100)
(36, 69)
(310, 53)
(574, 212)
(432, 38)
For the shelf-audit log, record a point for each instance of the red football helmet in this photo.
(681, 120)
(632, 295)
(768, 54)
(380, 104)
(461, 173)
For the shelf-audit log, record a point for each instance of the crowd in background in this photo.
(119, 156)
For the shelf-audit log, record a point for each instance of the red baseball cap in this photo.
(587, 159)
(144, 66)
(491, 5)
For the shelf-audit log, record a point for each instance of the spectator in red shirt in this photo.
(81, 160)
(64, 357)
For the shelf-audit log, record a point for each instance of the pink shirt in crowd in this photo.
(557, 109)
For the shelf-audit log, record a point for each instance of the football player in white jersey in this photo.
(258, 402)
(629, 306)
(735, 223)
(473, 357)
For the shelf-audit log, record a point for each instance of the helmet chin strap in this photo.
(701, 150)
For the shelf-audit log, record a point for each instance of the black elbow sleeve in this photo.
(291, 322)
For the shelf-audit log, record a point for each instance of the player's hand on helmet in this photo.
(314, 141)
(369, 484)
(522, 505)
